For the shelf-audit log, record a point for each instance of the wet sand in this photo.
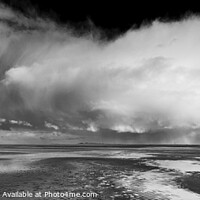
(112, 173)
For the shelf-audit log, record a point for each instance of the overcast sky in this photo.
(145, 79)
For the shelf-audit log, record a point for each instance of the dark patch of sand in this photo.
(190, 181)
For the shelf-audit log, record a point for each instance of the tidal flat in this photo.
(114, 173)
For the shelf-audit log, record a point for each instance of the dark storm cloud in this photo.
(147, 79)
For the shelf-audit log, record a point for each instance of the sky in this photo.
(143, 83)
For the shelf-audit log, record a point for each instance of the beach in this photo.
(102, 173)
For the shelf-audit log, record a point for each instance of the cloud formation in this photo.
(146, 79)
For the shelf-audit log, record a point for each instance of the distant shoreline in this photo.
(98, 145)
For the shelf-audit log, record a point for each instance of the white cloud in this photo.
(143, 80)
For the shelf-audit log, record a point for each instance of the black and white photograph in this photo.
(99, 100)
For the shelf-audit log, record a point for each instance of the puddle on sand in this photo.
(130, 155)
(155, 185)
(182, 166)
(7, 166)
